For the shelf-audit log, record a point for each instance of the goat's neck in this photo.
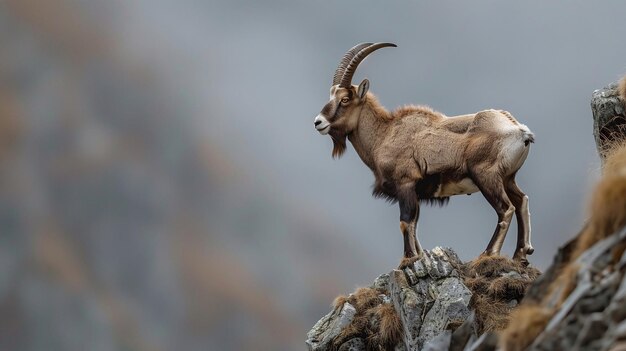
(369, 132)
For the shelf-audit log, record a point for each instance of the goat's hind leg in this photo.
(522, 214)
(409, 214)
(492, 188)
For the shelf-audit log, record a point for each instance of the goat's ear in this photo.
(363, 88)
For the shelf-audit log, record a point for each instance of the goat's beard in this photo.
(339, 142)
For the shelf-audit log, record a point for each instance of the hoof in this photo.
(520, 256)
(407, 262)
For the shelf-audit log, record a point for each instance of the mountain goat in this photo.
(420, 155)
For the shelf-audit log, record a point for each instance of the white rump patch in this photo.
(515, 150)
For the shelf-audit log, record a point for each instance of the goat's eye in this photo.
(345, 100)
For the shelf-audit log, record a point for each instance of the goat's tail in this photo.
(527, 136)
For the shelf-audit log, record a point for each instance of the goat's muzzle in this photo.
(321, 124)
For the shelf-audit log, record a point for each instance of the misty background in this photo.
(162, 186)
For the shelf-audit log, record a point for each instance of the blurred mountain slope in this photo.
(121, 227)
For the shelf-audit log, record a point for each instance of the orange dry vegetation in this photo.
(608, 204)
(528, 322)
(375, 322)
(494, 289)
(622, 88)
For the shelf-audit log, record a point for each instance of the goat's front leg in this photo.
(492, 188)
(409, 214)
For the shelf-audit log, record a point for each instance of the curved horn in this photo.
(346, 79)
(345, 60)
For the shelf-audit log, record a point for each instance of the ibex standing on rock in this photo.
(420, 155)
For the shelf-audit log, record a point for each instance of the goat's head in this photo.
(340, 115)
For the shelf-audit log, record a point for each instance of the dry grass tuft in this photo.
(385, 330)
(622, 88)
(608, 204)
(491, 315)
(478, 285)
(376, 322)
(529, 322)
(612, 137)
(497, 284)
(364, 298)
(339, 301)
(489, 266)
(532, 272)
(507, 288)
(390, 329)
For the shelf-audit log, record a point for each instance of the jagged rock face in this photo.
(584, 307)
(329, 327)
(431, 305)
(609, 116)
(593, 315)
(431, 298)
(581, 303)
